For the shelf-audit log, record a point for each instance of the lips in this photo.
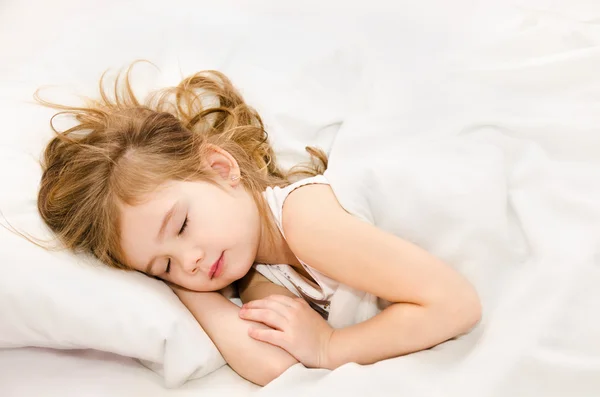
(217, 267)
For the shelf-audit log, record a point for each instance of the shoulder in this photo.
(278, 197)
(312, 218)
(309, 204)
(327, 238)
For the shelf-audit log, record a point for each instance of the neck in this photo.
(274, 250)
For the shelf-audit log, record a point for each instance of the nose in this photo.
(191, 259)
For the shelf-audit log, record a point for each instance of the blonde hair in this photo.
(120, 149)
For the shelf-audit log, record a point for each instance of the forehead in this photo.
(150, 204)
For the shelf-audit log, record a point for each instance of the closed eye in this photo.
(183, 226)
(181, 230)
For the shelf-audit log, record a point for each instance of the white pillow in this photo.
(59, 300)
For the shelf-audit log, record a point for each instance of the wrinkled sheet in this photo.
(522, 85)
(499, 174)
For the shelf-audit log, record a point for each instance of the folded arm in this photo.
(431, 301)
(255, 361)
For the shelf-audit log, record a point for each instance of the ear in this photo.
(223, 164)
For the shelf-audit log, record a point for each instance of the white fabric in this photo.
(528, 100)
(39, 372)
(52, 299)
(496, 171)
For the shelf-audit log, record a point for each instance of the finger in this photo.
(284, 300)
(269, 304)
(265, 316)
(273, 337)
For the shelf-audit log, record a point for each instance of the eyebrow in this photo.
(165, 222)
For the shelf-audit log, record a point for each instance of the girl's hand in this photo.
(295, 327)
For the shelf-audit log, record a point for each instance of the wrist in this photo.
(329, 357)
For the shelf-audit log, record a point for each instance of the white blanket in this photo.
(531, 237)
(498, 173)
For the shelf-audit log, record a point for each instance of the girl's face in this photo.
(194, 234)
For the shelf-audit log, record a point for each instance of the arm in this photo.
(432, 302)
(256, 286)
(256, 361)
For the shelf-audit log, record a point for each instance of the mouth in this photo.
(217, 268)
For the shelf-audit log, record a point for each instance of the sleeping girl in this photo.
(185, 188)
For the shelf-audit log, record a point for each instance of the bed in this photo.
(93, 373)
(519, 76)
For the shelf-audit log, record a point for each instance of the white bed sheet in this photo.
(30, 372)
(407, 45)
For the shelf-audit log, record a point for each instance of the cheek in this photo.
(249, 212)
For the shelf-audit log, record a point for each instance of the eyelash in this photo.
(183, 227)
